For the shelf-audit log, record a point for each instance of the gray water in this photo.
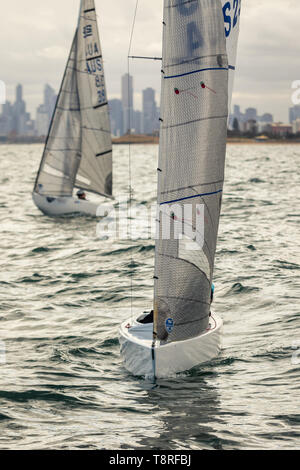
(64, 291)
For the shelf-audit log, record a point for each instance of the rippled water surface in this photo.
(63, 293)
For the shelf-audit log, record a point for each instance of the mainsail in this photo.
(78, 150)
(194, 112)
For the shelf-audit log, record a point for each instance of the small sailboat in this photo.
(78, 149)
(198, 64)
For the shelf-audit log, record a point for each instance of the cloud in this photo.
(36, 37)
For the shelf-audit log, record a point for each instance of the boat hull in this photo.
(141, 359)
(61, 206)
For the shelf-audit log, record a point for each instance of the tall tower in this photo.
(19, 93)
(127, 102)
(149, 111)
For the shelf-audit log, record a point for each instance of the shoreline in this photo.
(154, 140)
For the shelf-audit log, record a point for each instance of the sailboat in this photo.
(78, 149)
(199, 54)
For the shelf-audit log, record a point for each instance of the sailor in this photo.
(81, 195)
(212, 293)
(147, 319)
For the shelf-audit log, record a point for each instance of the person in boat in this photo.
(147, 319)
(81, 195)
(212, 293)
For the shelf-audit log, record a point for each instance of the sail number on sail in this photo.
(231, 12)
(94, 65)
(231, 15)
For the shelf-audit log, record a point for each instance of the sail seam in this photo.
(194, 121)
(181, 3)
(192, 197)
(191, 61)
(192, 186)
(103, 153)
(93, 58)
(100, 105)
(183, 298)
(196, 71)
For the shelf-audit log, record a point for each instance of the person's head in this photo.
(81, 194)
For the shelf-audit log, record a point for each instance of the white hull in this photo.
(60, 206)
(166, 360)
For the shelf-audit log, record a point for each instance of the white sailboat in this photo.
(78, 149)
(198, 65)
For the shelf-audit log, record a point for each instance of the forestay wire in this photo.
(129, 155)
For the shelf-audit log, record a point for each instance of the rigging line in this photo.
(142, 57)
(129, 212)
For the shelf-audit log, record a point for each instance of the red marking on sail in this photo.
(203, 85)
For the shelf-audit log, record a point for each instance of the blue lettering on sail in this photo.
(99, 81)
(195, 39)
(101, 96)
(230, 23)
(92, 49)
(94, 66)
(99, 65)
(188, 10)
(235, 5)
(227, 18)
(87, 31)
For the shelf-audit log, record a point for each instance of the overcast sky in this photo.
(36, 37)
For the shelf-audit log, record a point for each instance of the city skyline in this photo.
(267, 57)
(15, 117)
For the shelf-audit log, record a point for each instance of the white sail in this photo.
(78, 151)
(194, 111)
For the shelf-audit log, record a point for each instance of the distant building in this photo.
(6, 119)
(50, 98)
(250, 126)
(296, 126)
(20, 117)
(251, 114)
(294, 113)
(127, 102)
(137, 122)
(116, 117)
(149, 111)
(279, 129)
(42, 121)
(267, 118)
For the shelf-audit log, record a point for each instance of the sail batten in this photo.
(81, 119)
(196, 90)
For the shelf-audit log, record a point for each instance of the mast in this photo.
(194, 112)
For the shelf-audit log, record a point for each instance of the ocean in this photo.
(64, 290)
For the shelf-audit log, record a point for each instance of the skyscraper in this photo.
(19, 112)
(116, 117)
(49, 100)
(127, 102)
(251, 114)
(294, 113)
(149, 111)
